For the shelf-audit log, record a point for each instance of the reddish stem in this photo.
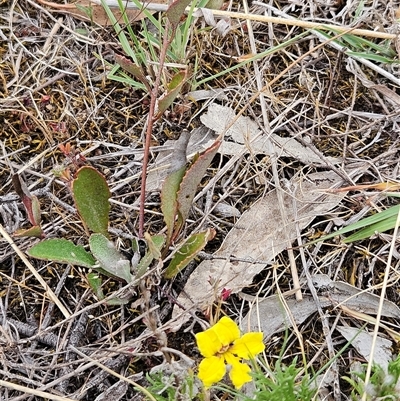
(150, 122)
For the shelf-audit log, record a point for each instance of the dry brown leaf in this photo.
(269, 315)
(362, 342)
(352, 297)
(258, 235)
(246, 133)
(273, 316)
(95, 12)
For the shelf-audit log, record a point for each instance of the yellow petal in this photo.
(208, 343)
(248, 346)
(211, 370)
(239, 372)
(227, 330)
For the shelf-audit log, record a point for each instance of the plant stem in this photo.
(150, 123)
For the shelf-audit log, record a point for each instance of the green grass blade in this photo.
(379, 227)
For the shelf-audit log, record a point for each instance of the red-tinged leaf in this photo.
(188, 251)
(192, 178)
(31, 203)
(174, 88)
(129, 66)
(169, 204)
(34, 231)
(36, 209)
(176, 10)
(91, 194)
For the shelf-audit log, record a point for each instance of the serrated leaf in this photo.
(188, 251)
(95, 282)
(155, 244)
(63, 251)
(91, 194)
(109, 258)
(173, 90)
(176, 10)
(169, 204)
(192, 178)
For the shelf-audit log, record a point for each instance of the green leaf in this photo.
(95, 282)
(173, 90)
(176, 10)
(379, 222)
(155, 244)
(188, 251)
(192, 178)
(169, 204)
(379, 227)
(109, 258)
(63, 251)
(373, 57)
(91, 194)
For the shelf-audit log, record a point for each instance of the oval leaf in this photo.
(169, 204)
(63, 251)
(91, 194)
(109, 258)
(188, 251)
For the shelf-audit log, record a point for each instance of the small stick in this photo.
(266, 19)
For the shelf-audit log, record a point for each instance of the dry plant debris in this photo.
(340, 111)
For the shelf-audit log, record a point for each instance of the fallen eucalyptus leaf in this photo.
(258, 235)
(362, 342)
(352, 297)
(269, 315)
(246, 133)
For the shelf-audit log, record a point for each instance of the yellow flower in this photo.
(221, 344)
